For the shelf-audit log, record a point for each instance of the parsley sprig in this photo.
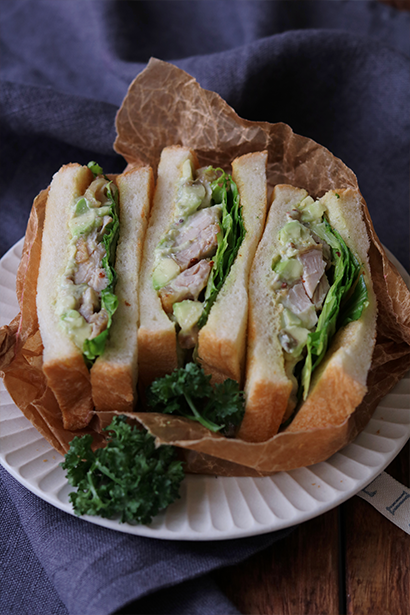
(188, 392)
(130, 477)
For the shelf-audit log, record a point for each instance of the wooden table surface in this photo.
(350, 560)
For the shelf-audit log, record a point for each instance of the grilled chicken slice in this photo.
(299, 304)
(99, 322)
(89, 265)
(313, 268)
(321, 291)
(187, 285)
(198, 239)
(90, 303)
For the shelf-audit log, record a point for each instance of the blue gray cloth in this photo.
(56, 564)
(337, 72)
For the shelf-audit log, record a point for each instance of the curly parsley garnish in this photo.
(188, 392)
(130, 477)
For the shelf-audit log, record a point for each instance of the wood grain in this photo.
(401, 5)
(351, 561)
(298, 575)
(377, 555)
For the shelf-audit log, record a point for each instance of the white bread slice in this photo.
(63, 363)
(267, 385)
(157, 344)
(114, 374)
(339, 384)
(222, 340)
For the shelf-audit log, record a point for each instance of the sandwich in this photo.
(87, 302)
(204, 228)
(312, 314)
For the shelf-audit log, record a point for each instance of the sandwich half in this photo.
(114, 374)
(77, 300)
(202, 236)
(312, 315)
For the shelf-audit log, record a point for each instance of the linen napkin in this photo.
(71, 566)
(337, 72)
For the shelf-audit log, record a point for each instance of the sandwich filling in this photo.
(196, 253)
(86, 301)
(320, 285)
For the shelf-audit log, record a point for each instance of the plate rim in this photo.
(162, 532)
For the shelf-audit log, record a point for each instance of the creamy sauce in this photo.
(89, 216)
(191, 240)
(297, 241)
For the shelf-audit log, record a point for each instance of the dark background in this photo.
(335, 71)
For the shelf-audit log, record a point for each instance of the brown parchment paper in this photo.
(166, 106)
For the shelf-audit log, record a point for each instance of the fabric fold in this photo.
(96, 571)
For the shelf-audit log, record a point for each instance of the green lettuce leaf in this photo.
(225, 193)
(95, 347)
(355, 304)
(339, 307)
(95, 168)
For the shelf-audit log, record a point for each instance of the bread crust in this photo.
(331, 400)
(113, 386)
(63, 363)
(267, 385)
(222, 341)
(339, 384)
(157, 354)
(264, 409)
(114, 375)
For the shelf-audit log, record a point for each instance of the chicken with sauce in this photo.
(86, 276)
(184, 256)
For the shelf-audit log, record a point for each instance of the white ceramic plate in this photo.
(212, 508)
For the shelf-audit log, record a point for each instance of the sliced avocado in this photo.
(187, 313)
(305, 202)
(187, 170)
(84, 224)
(313, 212)
(85, 218)
(191, 194)
(76, 327)
(293, 339)
(294, 232)
(81, 207)
(290, 319)
(165, 271)
(103, 211)
(288, 269)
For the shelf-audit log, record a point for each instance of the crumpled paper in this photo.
(166, 106)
